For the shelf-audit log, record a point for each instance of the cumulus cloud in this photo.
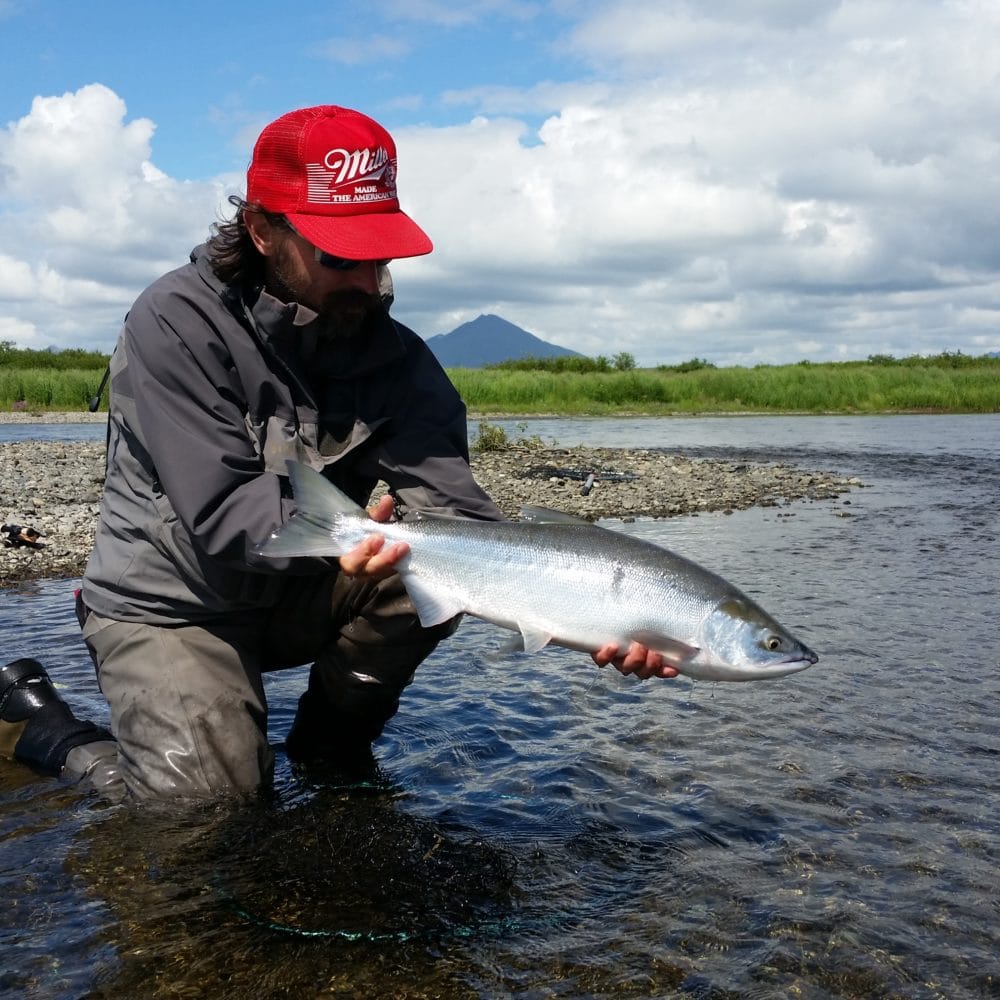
(87, 218)
(753, 181)
(750, 182)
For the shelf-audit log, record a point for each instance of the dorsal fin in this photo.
(545, 515)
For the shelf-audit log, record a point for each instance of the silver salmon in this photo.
(555, 578)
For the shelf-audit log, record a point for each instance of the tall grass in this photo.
(48, 389)
(48, 380)
(945, 384)
(813, 388)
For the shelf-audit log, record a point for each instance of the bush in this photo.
(694, 365)
(561, 363)
(490, 437)
(72, 359)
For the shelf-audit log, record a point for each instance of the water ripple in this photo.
(543, 828)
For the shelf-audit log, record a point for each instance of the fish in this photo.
(554, 578)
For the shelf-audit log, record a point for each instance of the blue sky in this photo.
(205, 79)
(750, 181)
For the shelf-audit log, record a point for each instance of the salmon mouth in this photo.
(799, 663)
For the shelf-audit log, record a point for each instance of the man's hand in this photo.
(637, 660)
(372, 558)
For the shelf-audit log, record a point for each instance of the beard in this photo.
(346, 314)
(341, 315)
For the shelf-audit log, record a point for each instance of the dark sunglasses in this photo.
(325, 259)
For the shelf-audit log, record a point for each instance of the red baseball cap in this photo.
(332, 172)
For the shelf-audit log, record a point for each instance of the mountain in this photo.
(487, 340)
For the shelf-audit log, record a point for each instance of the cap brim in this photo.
(376, 236)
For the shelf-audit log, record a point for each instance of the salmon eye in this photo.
(772, 643)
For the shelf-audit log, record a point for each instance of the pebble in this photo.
(56, 488)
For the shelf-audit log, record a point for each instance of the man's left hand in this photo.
(637, 660)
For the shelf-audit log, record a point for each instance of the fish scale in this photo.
(556, 579)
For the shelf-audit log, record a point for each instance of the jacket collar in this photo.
(292, 326)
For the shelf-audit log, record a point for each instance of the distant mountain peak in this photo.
(488, 340)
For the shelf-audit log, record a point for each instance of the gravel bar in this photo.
(55, 488)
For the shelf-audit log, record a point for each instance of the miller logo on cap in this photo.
(332, 172)
(358, 175)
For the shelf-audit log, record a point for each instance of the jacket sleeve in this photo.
(188, 414)
(425, 460)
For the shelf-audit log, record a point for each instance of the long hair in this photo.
(232, 254)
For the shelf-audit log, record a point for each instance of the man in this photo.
(273, 343)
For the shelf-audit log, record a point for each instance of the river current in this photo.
(540, 828)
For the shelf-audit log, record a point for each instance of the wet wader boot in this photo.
(331, 739)
(370, 644)
(37, 727)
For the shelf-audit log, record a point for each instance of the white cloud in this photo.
(16, 280)
(748, 181)
(544, 97)
(820, 170)
(17, 331)
(87, 218)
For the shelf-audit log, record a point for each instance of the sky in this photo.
(744, 181)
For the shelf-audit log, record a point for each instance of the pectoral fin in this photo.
(433, 606)
(528, 640)
(533, 638)
(674, 650)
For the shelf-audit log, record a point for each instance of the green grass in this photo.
(947, 383)
(48, 388)
(847, 387)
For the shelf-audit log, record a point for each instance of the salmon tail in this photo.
(323, 523)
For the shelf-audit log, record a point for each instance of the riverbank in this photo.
(55, 488)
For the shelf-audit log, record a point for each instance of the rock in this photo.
(55, 488)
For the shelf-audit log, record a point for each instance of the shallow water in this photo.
(542, 828)
(53, 432)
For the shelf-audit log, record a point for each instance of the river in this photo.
(541, 828)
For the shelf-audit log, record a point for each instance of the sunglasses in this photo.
(325, 259)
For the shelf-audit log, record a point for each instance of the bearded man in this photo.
(274, 342)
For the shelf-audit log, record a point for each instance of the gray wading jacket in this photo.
(210, 395)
